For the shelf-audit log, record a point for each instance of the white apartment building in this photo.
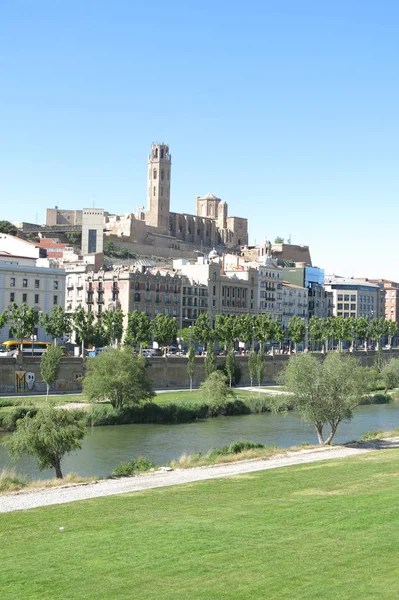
(355, 298)
(270, 300)
(295, 303)
(42, 288)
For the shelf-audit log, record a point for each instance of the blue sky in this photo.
(288, 110)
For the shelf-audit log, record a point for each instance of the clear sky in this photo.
(286, 109)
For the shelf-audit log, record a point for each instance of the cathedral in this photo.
(209, 227)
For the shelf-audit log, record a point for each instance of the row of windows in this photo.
(13, 282)
(13, 297)
(346, 306)
(168, 288)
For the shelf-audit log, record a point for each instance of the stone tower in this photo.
(158, 192)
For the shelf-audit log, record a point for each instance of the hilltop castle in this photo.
(158, 226)
(210, 226)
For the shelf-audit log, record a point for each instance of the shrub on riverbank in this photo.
(241, 450)
(9, 418)
(376, 399)
(10, 481)
(133, 467)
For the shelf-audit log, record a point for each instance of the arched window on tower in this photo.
(154, 174)
(156, 153)
(162, 175)
(162, 152)
(161, 191)
(154, 190)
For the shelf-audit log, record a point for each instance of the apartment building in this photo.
(153, 291)
(320, 301)
(270, 297)
(22, 281)
(231, 291)
(355, 298)
(391, 295)
(295, 303)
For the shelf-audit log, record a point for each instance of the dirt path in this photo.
(108, 487)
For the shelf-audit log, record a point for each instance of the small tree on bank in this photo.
(216, 392)
(191, 364)
(260, 368)
(230, 365)
(325, 392)
(50, 365)
(390, 374)
(48, 436)
(119, 376)
(210, 360)
(252, 359)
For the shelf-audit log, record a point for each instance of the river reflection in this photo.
(105, 447)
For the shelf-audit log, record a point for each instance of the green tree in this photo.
(390, 374)
(216, 392)
(72, 237)
(112, 321)
(252, 359)
(117, 375)
(244, 328)
(191, 364)
(315, 331)
(362, 327)
(48, 436)
(202, 330)
(56, 324)
(7, 227)
(296, 330)
(210, 360)
(83, 326)
(279, 240)
(260, 368)
(138, 330)
(3, 319)
(230, 365)
(264, 329)
(392, 331)
(50, 364)
(164, 329)
(109, 248)
(325, 392)
(225, 330)
(24, 321)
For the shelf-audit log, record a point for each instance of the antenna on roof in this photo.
(289, 240)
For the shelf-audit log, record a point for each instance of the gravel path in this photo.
(46, 497)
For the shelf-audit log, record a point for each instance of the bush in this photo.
(236, 375)
(132, 467)
(376, 399)
(9, 419)
(372, 435)
(10, 481)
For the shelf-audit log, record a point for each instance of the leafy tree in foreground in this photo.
(326, 391)
(296, 330)
(203, 332)
(56, 324)
(230, 365)
(210, 360)
(3, 319)
(260, 368)
(191, 364)
(83, 325)
(24, 321)
(216, 392)
(112, 321)
(138, 330)
(252, 359)
(8, 227)
(48, 436)
(119, 376)
(390, 374)
(50, 363)
(164, 329)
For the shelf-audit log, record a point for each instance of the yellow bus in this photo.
(9, 348)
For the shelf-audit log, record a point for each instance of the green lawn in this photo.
(41, 400)
(194, 396)
(319, 531)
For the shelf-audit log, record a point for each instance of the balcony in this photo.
(100, 300)
(70, 286)
(89, 299)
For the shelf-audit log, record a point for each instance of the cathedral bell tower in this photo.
(158, 191)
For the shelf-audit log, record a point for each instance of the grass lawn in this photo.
(194, 396)
(41, 400)
(318, 531)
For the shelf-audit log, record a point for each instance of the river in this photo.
(104, 448)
